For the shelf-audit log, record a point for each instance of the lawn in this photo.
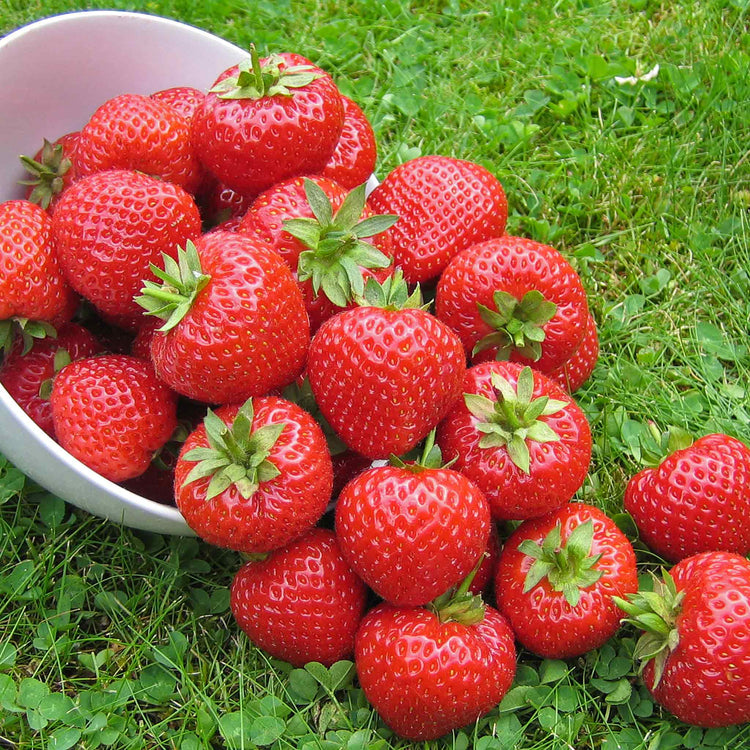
(120, 638)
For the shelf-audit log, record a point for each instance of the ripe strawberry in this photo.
(519, 437)
(485, 575)
(696, 500)
(139, 133)
(513, 298)
(444, 205)
(268, 119)
(254, 477)
(696, 644)
(235, 320)
(51, 170)
(28, 376)
(34, 295)
(301, 603)
(110, 226)
(185, 99)
(220, 204)
(577, 370)
(384, 374)
(353, 160)
(112, 413)
(556, 578)
(411, 531)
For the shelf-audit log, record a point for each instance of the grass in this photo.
(114, 637)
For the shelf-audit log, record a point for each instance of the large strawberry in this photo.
(384, 374)
(513, 298)
(696, 500)
(301, 603)
(109, 227)
(556, 577)
(519, 437)
(696, 646)
(268, 119)
(254, 477)
(444, 205)
(235, 322)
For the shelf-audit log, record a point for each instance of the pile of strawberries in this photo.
(189, 250)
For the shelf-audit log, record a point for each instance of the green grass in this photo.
(112, 637)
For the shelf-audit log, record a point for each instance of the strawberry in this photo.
(485, 575)
(384, 374)
(109, 227)
(519, 437)
(411, 531)
(185, 99)
(34, 295)
(513, 298)
(556, 577)
(268, 119)
(51, 170)
(573, 373)
(220, 204)
(695, 500)
(112, 413)
(444, 205)
(139, 133)
(301, 603)
(235, 325)
(353, 159)
(695, 650)
(254, 477)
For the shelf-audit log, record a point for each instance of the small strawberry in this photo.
(301, 603)
(696, 500)
(185, 99)
(519, 437)
(254, 477)
(577, 370)
(51, 170)
(444, 205)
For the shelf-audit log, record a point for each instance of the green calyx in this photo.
(28, 330)
(657, 445)
(60, 360)
(337, 251)
(392, 294)
(655, 612)
(182, 281)
(568, 567)
(430, 457)
(46, 174)
(255, 80)
(517, 326)
(513, 419)
(458, 604)
(236, 454)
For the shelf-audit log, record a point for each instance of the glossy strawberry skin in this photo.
(384, 378)
(32, 284)
(706, 679)
(426, 678)
(247, 331)
(139, 133)
(573, 373)
(302, 603)
(515, 265)
(412, 535)
(109, 227)
(444, 205)
(282, 508)
(185, 99)
(250, 145)
(543, 621)
(112, 413)
(557, 468)
(696, 500)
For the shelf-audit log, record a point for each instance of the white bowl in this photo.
(79, 61)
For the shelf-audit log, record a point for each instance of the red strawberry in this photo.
(353, 160)
(254, 477)
(220, 204)
(485, 574)
(696, 648)
(301, 603)
(519, 437)
(112, 413)
(411, 531)
(111, 226)
(236, 322)
(384, 374)
(52, 169)
(513, 298)
(266, 120)
(185, 99)
(556, 577)
(27, 377)
(696, 500)
(444, 205)
(577, 370)
(139, 133)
